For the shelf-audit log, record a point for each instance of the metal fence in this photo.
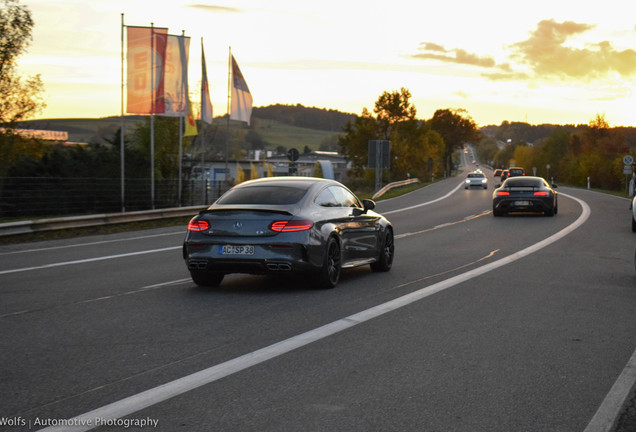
(24, 197)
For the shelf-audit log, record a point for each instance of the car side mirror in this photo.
(368, 204)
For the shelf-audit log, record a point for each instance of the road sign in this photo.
(292, 154)
(379, 158)
(628, 160)
(379, 154)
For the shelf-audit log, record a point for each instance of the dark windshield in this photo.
(524, 182)
(266, 195)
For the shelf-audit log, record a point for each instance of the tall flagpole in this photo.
(185, 96)
(229, 109)
(121, 128)
(202, 135)
(152, 115)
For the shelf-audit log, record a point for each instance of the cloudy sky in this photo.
(542, 61)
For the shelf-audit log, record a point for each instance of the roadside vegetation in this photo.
(32, 169)
(569, 154)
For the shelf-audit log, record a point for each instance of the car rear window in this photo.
(266, 195)
(524, 182)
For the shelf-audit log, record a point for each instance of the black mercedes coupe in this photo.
(284, 225)
(525, 194)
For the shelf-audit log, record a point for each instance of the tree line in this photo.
(568, 154)
(419, 148)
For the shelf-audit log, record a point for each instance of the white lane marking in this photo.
(179, 386)
(142, 289)
(175, 247)
(424, 203)
(466, 219)
(139, 290)
(82, 261)
(607, 415)
(92, 243)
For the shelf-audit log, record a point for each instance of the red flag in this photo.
(146, 67)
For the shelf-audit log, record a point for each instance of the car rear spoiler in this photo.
(249, 208)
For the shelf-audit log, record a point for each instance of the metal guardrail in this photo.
(394, 185)
(38, 225)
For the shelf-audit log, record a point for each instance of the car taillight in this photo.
(289, 226)
(198, 225)
(503, 193)
(541, 193)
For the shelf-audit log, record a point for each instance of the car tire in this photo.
(329, 274)
(496, 212)
(549, 212)
(633, 224)
(387, 252)
(206, 279)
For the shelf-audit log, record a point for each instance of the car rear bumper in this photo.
(266, 259)
(523, 205)
(249, 266)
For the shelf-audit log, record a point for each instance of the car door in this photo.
(359, 231)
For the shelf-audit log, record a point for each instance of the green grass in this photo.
(279, 134)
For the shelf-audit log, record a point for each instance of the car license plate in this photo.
(236, 250)
(522, 203)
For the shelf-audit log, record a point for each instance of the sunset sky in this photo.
(540, 61)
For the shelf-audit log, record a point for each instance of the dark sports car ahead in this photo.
(279, 225)
(525, 194)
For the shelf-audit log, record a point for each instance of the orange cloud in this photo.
(431, 51)
(214, 8)
(545, 53)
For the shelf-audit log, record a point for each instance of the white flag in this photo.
(176, 76)
(206, 103)
(241, 108)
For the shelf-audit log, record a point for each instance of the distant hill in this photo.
(524, 132)
(304, 117)
(84, 130)
(292, 126)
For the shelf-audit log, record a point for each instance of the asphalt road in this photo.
(518, 323)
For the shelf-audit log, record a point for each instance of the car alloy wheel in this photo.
(385, 260)
(331, 267)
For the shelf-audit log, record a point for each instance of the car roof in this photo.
(289, 181)
(522, 179)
